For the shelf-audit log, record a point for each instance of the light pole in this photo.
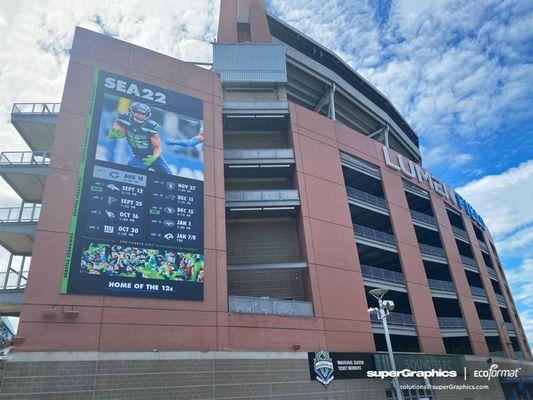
(382, 312)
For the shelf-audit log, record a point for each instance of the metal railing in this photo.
(431, 250)
(477, 291)
(262, 195)
(383, 274)
(372, 234)
(12, 281)
(24, 213)
(488, 324)
(366, 197)
(13, 275)
(418, 216)
(253, 154)
(483, 246)
(25, 158)
(415, 189)
(269, 306)
(509, 326)
(451, 322)
(360, 165)
(460, 232)
(445, 286)
(396, 318)
(492, 272)
(500, 298)
(468, 261)
(35, 108)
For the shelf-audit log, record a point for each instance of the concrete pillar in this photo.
(491, 295)
(427, 325)
(233, 12)
(335, 278)
(510, 306)
(464, 295)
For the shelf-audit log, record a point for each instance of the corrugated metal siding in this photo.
(262, 242)
(276, 283)
(250, 62)
(258, 141)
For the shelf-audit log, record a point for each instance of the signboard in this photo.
(415, 171)
(137, 223)
(421, 362)
(325, 366)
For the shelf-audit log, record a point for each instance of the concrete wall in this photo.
(125, 323)
(329, 235)
(106, 323)
(195, 375)
(172, 376)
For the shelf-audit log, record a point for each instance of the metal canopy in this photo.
(11, 301)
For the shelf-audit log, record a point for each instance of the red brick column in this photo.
(491, 295)
(334, 270)
(464, 295)
(508, 301)
(427, 325)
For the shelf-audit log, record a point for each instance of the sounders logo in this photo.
(323, 365)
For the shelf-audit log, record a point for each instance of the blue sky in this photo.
(460, 72)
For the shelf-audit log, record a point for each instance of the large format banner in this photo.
(137, 223)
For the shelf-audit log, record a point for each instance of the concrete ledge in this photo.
(470, 358)
(156, 355)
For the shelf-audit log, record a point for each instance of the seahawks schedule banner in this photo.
(137, 223)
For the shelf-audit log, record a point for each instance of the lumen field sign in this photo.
(137, 222)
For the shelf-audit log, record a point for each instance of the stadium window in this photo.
(243, 32)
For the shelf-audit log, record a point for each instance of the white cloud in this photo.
(503, 200)
(520, 242)
(347, 29)
(456, 70)
(521, 281)
(444, 154)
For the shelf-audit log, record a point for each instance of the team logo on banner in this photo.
(323, 365)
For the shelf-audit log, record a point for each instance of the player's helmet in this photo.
(139, 108)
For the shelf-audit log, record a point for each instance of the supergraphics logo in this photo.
(407, 373)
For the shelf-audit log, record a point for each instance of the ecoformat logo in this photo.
(494, 372)
(323, 365)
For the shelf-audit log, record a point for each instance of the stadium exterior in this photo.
(314, 194)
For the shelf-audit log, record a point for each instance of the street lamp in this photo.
(382, 312)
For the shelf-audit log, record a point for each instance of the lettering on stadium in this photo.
(415, 171)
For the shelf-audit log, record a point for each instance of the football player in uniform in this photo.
(142, 134)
